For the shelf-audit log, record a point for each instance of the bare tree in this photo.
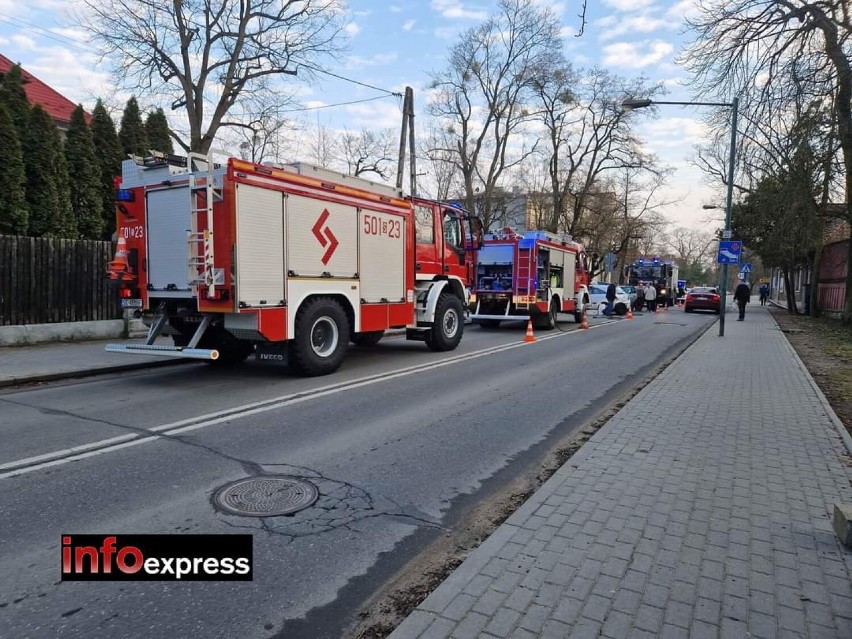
(207, 56)
(369, 152)
(587, 134)
(773, 52)
(442, 163)
(480, 97)
(322, 146)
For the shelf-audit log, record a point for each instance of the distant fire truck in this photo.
(652, 270)
(290, 263)
(530, 275)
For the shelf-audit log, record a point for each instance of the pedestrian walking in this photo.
(651, 298)
(764, 294)
(610, 300)
(742, 295)
(639, 301)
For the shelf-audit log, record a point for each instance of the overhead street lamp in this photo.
(630, 105)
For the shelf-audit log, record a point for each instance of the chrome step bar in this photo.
(164, 351)
(161, 350)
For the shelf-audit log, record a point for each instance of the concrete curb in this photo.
(829, 411)
(89, 372)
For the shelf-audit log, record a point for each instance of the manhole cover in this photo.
(266, 496)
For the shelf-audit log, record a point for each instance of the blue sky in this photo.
(398, 43)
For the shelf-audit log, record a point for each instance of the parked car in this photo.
(704, 298)
(631, 291)
(597, 295)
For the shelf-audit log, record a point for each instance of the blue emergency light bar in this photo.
(124, 195)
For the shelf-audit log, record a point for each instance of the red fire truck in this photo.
(291, 263)
(531, 275)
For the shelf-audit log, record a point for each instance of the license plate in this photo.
(701, 297)
(131, 303)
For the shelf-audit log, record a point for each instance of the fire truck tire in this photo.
(447, 329)
(370, 338)
(547, 321)
(321, 339)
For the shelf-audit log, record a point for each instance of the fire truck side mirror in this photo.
(596, 261)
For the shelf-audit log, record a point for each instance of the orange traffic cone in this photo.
(629, 313)
(119, 267)
(584, 324)
(529, 337)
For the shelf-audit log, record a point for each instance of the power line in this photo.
(358, 82)
(337, 104)
(41, 32)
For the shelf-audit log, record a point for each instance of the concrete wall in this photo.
(69, 332)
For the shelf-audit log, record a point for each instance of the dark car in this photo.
(702, 298)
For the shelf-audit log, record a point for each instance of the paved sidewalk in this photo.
(59, 360)
(702, 509)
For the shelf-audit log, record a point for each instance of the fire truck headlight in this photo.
(662, 291)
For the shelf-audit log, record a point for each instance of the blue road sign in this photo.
(729, 252)
(746, 268)
(681, 283)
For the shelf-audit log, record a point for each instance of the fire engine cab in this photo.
(291, 263)
(529, 275)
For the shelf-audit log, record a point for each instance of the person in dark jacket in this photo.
(610, 299)
(742, 295)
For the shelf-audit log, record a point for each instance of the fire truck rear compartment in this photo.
(168, 217)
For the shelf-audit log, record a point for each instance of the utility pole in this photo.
(406, 134)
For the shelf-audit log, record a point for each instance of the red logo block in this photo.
(325, 236)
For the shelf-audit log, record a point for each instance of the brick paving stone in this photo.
(710, 518)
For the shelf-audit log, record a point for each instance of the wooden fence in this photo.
(46, 280)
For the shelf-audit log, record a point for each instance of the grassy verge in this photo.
(825, 346)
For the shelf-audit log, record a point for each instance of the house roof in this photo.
(57, 105)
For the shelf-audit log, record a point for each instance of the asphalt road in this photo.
(399, 443)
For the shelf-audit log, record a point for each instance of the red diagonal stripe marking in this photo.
(330, 250)
(317, 228)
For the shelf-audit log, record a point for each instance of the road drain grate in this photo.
(268, 496)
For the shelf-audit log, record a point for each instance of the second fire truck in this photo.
(291, 263)
(529, 275)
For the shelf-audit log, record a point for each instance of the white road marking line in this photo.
(84, 451)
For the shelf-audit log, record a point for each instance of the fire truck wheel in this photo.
(322, 336)
(370, 338)
(447, 330)
(547, 322)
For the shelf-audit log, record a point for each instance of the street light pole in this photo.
(629, 105)
(728, 210)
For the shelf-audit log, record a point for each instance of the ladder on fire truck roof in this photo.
(199, 243)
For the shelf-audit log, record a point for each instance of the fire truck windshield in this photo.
(647, 272)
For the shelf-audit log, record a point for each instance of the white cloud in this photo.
(674, 132)
(629, 5)
(455, 9)
(352, 29)
(355, 61)
(636, 55)
(409, 25)
(683, 9)
(23, 42)
(615, 26)
(71, 73)
(394, 9)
